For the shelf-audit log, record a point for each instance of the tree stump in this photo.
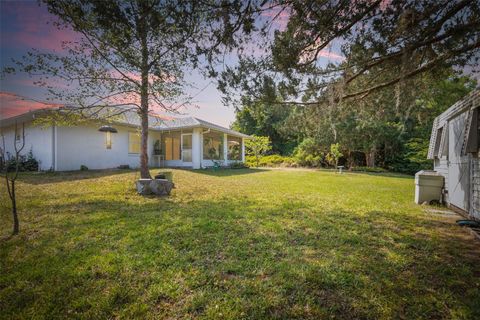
(159, 187)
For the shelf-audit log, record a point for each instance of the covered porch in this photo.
(196, 148)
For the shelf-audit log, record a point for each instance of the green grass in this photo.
(233, 244)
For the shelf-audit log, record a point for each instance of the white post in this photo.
(225, 148)
(55, 146)
(196, 148)
(243, 150)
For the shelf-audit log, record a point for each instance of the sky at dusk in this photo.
(25, 25)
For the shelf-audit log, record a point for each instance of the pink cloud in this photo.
(278, 16)
(384, 4)
(326, 53)
(137, 77)
(31, 26)
(12, 105)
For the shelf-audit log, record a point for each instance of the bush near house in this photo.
(26, 163)
(238, 165)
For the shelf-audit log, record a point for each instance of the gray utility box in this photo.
(428, 186)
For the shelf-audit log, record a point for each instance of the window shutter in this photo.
(443, 150)
(472, 143)
(433, 139)
(467, 131)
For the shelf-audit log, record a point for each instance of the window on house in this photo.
(18, 135)
(213, 146)
(234, 148)
(108, 140)
(133, 142)
(187, 147)
(171, 145)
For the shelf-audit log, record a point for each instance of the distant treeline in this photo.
(389, 128)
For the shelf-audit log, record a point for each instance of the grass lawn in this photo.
(234, 244)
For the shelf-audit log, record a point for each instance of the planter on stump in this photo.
(159, 187)
(165, 175)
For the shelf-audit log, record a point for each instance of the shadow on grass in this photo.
(226, 172)
(384, 174)
(39, 178)
(106, 259)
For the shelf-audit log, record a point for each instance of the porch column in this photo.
(225, 148)
(243, 150)
(196, 148)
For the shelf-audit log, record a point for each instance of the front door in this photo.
(459, 165)
(187, 147)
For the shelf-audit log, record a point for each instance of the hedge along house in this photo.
(172, 142)
(454, 148)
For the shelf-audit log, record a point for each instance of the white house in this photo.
(172, 142)
(454, 148)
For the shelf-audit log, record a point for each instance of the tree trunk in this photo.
(350, 160)
(16, 225)
(144, 171)
(370, 158)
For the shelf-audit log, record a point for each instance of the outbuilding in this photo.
(454, 149)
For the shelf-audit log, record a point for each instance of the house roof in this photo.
(161, 123)
(156, 122)
(192, 122)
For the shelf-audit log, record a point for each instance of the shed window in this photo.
(133, 142)
(438, 142)
(473, 140)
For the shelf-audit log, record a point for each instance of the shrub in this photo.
(273, 160)
(334, 155)
(30, 163)
(257, 146)
(309, 154)
(26, 163)
(83, 168)
(238, 165)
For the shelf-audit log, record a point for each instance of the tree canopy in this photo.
(378, 44)
(133, 55)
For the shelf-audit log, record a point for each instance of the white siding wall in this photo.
(441, 166)
(37, 139)
(444, 165)
(85, 145)
(475, 209)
